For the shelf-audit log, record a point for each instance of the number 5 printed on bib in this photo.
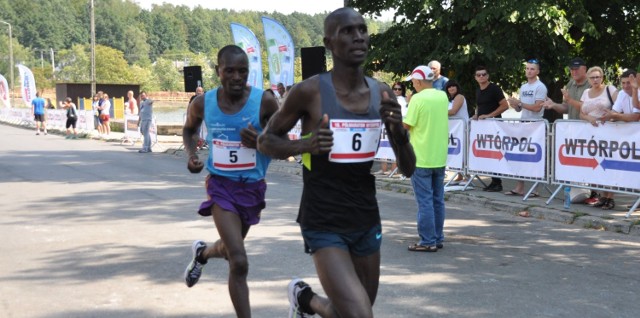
(232, 155)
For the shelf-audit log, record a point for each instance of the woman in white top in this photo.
(593, 103)
(457, 108)
(457, 101)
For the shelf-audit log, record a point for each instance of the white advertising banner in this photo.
(56, 118)
(509, 148)
(385, 152)
(131, 128)
(280, 53)
(607, 155)
(4, 92)
(28, 90)
(457, 138)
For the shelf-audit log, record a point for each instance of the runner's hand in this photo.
(194, 164)
(322, 137)
(249, 136)
(390, 113)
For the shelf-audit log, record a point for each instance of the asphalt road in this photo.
(95, 229)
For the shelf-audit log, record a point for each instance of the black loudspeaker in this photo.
(192, 78)
(314, 61)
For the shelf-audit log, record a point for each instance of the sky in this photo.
(282, 6)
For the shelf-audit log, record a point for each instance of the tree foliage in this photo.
(502, 35)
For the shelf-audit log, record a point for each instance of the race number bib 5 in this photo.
(354, 140)
(232, 155)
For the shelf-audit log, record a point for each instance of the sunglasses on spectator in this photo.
(397, 88)
(533, 61)
(595, 77)
(481, 74)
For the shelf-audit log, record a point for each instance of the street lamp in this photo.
(10, 57)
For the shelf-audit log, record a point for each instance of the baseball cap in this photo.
(421, 73)
(576, 62)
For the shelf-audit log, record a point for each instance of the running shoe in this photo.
(296, 286)
(194, 270)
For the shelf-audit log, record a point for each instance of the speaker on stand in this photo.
(192, 78)
(314, 61)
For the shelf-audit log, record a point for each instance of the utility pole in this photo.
(93, 52)
(11, 66)
(53, 65)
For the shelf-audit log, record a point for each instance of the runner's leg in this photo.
(231, 246)
(347, 297)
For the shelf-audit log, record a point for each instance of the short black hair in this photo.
(628, 72)
(331, 20)
(229, 49)
(481, 68)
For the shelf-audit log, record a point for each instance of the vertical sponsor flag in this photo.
(247, 40)
(280, 53)
(28, 89)
(4, 92)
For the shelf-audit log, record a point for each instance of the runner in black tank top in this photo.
(341, 112)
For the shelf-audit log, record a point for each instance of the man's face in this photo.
(532, 70)
(233, 72)
(436, 71)
(626, 85)
(199, 91)
(350, 38)
(482, 76)
(578, 73)
(281, 89)
(143, 96)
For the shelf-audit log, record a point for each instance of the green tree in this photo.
(111, 67)
(74, 65)
(501, 35)
(166, 75)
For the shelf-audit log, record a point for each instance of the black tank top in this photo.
(340, 197)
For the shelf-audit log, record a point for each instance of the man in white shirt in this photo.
(623, 109)
(532, 94)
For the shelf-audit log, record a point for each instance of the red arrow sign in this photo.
(491, 154)
(574, 161)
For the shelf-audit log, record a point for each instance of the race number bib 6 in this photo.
(354, 140)
(232, 155)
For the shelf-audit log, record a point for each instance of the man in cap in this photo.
(439, 81)
(576, 86)
(428, 124)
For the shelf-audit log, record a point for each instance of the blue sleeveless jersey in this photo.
(226, 127)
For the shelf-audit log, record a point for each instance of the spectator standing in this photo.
(533, 94)
(440, 81)
(623, 109)
(145, 119)
(72, 118)
(339, 216)
(199, 91)
(457, 108)
(105, 110)
(428, 124)
(574, 89)
(234, 115)
(97, 102)
(491, 104)
(50, 105)
(131, 107)
(593, 105)
(37, 110)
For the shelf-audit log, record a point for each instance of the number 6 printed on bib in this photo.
(232, 155)
(354, 140)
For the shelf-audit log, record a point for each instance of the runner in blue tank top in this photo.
(234, 115)
(342, 112)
